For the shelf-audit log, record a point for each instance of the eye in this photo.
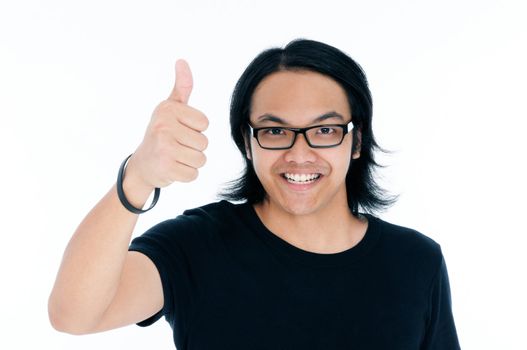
(325, 130)
(275, 131)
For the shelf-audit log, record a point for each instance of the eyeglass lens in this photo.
(327, 135)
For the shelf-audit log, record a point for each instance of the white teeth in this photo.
(305, 178)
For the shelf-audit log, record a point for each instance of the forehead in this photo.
(298, 96)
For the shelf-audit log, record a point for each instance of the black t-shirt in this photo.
(230, 283)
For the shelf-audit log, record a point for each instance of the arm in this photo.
(95, 260)
(100, 285)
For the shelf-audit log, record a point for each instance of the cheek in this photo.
(342, 164)
(262, 160)
(342, 159)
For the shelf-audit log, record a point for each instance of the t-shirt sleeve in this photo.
(162, 245)
(441, 330)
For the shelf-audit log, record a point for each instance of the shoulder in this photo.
(191, 229)
(407, 245)
(406, 236)
(216, 211)
(209, 213)
(203, 219)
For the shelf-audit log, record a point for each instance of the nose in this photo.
(300, 152)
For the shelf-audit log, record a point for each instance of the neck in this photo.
(329, 230)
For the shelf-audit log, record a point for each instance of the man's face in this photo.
(297, 99)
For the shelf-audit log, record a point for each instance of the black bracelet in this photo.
(122, 197)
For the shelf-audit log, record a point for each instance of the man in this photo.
(296, 265)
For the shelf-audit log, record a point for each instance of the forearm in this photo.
(93, 260)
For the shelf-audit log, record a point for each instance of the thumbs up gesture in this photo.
(173, 144)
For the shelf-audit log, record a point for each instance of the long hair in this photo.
(301, 54)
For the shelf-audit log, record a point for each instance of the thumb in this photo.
(183, 85)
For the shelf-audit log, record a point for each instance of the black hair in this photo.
(301, 55)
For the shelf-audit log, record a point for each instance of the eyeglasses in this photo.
(317, 136)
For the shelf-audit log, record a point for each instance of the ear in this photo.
(247, 147)
(357, 144)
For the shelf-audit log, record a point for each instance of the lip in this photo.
(301, 187)
(301, 171)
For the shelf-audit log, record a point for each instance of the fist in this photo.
(173, 144)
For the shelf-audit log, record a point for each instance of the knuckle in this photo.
(167, 155)
(167, 112)
(161, 148)
(165, 107)
(159, 126)
(175, 146)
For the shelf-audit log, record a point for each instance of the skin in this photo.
(314, 217)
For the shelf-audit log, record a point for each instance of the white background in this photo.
(79, 81)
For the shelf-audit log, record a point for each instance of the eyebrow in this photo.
(273, 118)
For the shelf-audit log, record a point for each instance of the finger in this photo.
(194, 119)
(190, 157)
(184, 172)
(183, 84)
(191, 138)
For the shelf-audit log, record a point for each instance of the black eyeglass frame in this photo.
(254, 133)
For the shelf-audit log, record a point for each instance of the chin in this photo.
(299, 207)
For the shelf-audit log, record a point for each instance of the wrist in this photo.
(133, 193)
(137, 192)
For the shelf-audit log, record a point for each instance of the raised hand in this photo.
(173, 144)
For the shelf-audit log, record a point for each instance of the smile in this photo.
(301, 178)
